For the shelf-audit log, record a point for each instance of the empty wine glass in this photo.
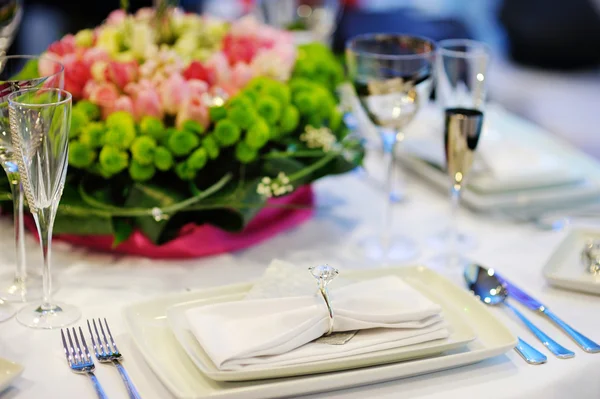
(40, 122)
(20, 72)
(392, 75)
(309, 20)
(461, 67)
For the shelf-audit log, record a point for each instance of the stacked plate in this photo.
(162, 334)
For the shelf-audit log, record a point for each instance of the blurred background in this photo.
(546, 64)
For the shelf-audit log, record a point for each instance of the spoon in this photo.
(490, 291)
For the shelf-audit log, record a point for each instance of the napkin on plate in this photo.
(270, 332)
(507, 154)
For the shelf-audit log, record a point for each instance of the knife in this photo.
(515, 292)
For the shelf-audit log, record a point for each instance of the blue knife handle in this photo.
(584, 342)
(557, 349)
(529, 353)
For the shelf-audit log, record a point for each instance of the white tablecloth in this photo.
(348, 206)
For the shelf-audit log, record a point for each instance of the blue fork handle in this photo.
(133, 393)
(97, 386)
(557, 349)
(584, 342)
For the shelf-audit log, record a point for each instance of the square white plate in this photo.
(8, 372)
(149, 329)
(461, 334)
(565, 269)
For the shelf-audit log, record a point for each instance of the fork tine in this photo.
(78, 348)
(93, 340)
(64, 341)
(72, 347)
(100, 345)
(108, 347)
(87, 350)
(112, 340)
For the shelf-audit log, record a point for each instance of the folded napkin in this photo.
(256, 333)
(508, 156)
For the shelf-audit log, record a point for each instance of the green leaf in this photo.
(74, 216)
(289, 166)
(29, 71)
(123, 228)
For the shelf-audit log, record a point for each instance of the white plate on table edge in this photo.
(565, 269)
(460, 335)
(148, 326)
(9, 371)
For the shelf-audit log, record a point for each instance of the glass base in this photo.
(464, 241)
(400, 249)
(449, 262)
(12, 290)
(6, 311)
(60, 316)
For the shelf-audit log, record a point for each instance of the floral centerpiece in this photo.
(186, 120)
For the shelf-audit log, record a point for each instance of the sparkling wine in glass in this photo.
(39, 123)
(18, 72)
(392, 75)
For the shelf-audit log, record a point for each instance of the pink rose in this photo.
(147, 102)
(197, 87)
(95, 54)
(220, 64)
(66, 45)
(77, 74)
(173, 92)
(104, 94)
(116, 17)
(241, 74)
(123, 103)
(193, 109)
(121, 73)
(49, 64)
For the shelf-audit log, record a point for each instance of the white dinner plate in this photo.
(149, 329)
(460, 335)
(566, 270)
(8, 372)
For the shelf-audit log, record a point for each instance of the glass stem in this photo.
(17, 197)
(44, 219)
(453, 228)
(389, 161)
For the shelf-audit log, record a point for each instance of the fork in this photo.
(80, 360)
(107, 352)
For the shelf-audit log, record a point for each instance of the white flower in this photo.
(275, 187)
(318, 138)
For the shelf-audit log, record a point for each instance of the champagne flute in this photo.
(392, 75)
(461, 67)
(16, 74)
(39, 123)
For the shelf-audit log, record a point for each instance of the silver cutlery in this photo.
(581, 340)
(106, 351)
(80, 360)
(484, 284)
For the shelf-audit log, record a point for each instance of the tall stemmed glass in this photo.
(461, 68)
(392, 75)
(39, 123)
(16, 74)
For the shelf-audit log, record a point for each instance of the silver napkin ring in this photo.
(590, 256)
(324, 274)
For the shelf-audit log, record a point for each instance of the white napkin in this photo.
(506, 156)
(278, 331)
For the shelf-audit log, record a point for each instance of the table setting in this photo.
(212, 209)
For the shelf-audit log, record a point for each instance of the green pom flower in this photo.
(91, 110)
(92, 135)
(80, 155)
(193, 127)
(250, 95)
(79, 120)
(280, 92)
(139, 172)
(163, 159)
(244, 153)
(335, 120)
(153, 127)
(257, 135)
(211, 146)
(84, 38)
(290, 117)
(182, 142)
(113, 160)
(305, 103)
(185, 172)
(240, 101)
(142, 150)
(198, 159)
(227, 133)
(121, 130)
(269, 108)
(243, 117)
(217, 113)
